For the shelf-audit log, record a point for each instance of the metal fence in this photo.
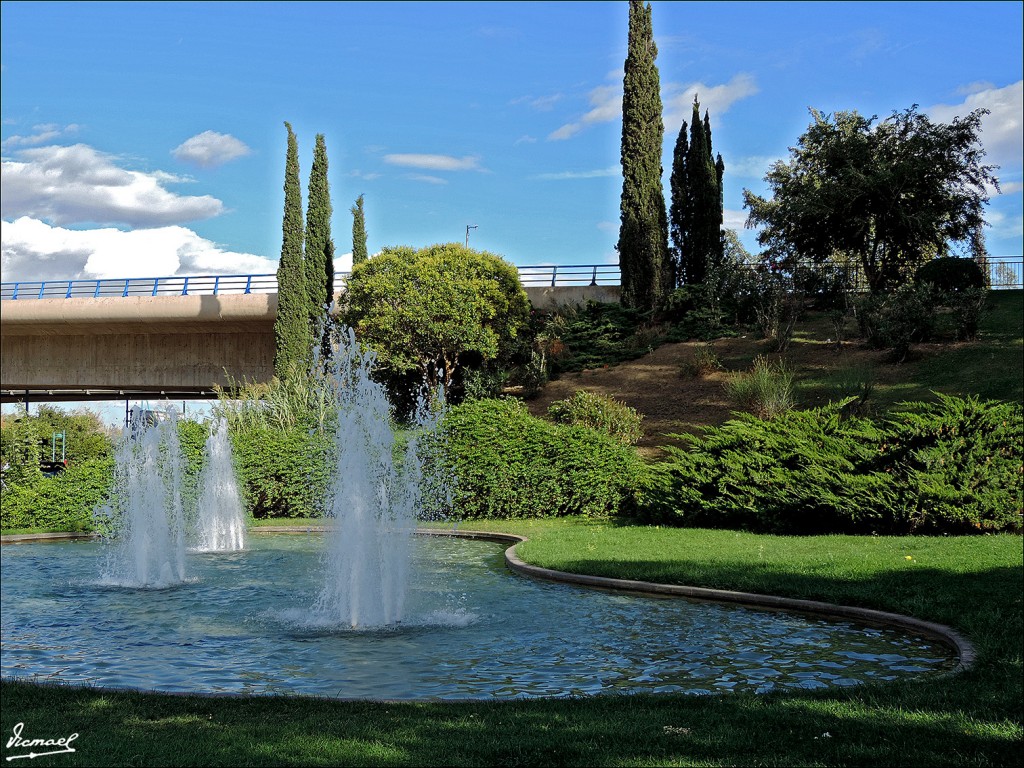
(214, 285)
(1005, 272)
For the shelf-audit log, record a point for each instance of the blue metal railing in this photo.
(215, 285)
(1004, 272)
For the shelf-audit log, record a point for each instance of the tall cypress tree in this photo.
(643, 231)
(291, 326)
(702, 239)
(319, 256)
(677, 212)
(359, 252)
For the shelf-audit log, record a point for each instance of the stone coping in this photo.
(964, 649)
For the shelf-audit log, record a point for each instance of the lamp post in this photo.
(469, 227)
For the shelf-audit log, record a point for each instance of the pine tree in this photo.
(319, 249)
(359, 252)
(702, 236)
(293, 341)
(643, 231)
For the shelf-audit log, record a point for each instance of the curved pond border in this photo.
(948, 636)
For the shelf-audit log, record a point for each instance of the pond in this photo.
(242, 623)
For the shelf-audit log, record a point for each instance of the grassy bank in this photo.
(973, 584)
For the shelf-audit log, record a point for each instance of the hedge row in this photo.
(63, 502)
(509, 464)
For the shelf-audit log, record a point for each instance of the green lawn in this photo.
(975, 718)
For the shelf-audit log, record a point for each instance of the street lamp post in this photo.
(469, 227)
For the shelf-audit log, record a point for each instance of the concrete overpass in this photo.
(136, 343)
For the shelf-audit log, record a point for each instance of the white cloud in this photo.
(734, 219)
(35, 250)
(342, 263)
(606, 103)
(613, 170)
(210, 149)
(435, 162)
(79, 185)
(539, 103)
(426, 178)
(716, 99)
(1002, 131)
(43, 133)
(524, 139)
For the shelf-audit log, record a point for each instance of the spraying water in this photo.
(220, 526)
(145, 515)
(377, 490)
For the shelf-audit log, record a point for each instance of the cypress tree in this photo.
(291, 326)
(677, 212)
(643, 231)
(359, 252)
(319, 258)
(702, 238)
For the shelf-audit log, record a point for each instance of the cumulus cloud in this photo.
(79, 185)
(716, 99)
(210, 149)
(1002, 132)
(606, 105)
(435, 162)
(35, 250)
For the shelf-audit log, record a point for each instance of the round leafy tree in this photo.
(429, 312)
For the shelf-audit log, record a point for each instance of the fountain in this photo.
(145, 517)
(220, 525)
(376, 494)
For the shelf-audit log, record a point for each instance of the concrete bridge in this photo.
(177, 337)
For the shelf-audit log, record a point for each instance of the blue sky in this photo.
(147, 138)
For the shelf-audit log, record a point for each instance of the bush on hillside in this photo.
(605, 414)
(950, 274)
(509, 464)
(952, 467)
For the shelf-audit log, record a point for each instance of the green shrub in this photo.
(967, 308)
(705, 362)
(898, 319)
(509, 464)
(430, 312)
(283, 472)
(63, 502)
(952, 467)
(599, 412)
(766, 390)
(950, 274)
(956, 465)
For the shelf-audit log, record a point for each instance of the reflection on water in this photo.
(472, 629)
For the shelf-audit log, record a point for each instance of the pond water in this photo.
(242, 623)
